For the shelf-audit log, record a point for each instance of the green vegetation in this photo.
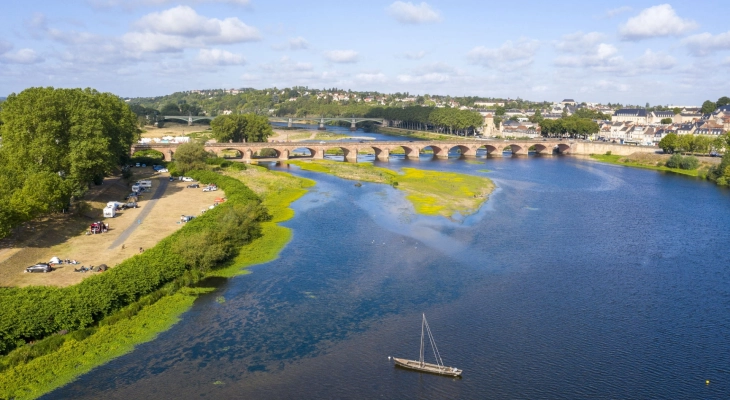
(621, 160)
(55, 143)
(721, 173)
(446, 120)
(688, 162)
(413, 134)
(591, 114)
(666, 121)
(673, 143)
(241, 128)
(79, 352)
(190, 156)
(572, 126)
(430, 192)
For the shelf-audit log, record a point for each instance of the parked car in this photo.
(210, 188)
(193, 186)
(186, 218)
(130, 204)
(172, 179)
(187, 179)
(163, 170)
(138, 165)
(40, 267)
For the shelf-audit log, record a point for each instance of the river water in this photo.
(575, 280)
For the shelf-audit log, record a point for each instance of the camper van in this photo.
(144, 184)
(110, 212)
(114, 204)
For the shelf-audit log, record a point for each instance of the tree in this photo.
(708, 107)
(723, 101)
(669, 143)
(676, 110)
(241, 128)
(701, 144)
(190, 156)
(685, 143)
(666, 121)
(56, 143)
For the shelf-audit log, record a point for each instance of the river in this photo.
(575, 280)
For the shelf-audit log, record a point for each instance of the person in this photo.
(123, 246)
(141, 249)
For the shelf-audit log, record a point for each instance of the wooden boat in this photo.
(422, 366)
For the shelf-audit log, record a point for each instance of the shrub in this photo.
(608, 153)
(674, 161)
(689, 162)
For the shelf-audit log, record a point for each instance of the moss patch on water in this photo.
(76, 357)
(430, 192)
(277, 191)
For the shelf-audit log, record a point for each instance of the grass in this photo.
(75, 357)
(430, 192)
(413, 134)
(622, 160)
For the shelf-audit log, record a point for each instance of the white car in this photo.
(187, 179)
(162, 170)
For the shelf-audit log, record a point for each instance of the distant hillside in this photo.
(2, 99)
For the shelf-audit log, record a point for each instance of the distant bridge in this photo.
(412, 149)
(352, 120)
(288, 120)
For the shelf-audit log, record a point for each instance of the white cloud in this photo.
(409, 13)
(298, 43)
(433, 77)
(341, 56)
(509, 56)
(657, 21)
(415, 55)
(371, 78)
(22, 56)
(656, 60)
(579, 42)
(616, 11)
(219, 57)
(181, 27)
(706, 43)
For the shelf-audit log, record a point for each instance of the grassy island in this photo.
(431, 192)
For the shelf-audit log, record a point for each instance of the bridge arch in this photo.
(563, 148)
(543, 149)
(461, 150)
(230, 153)
(303, 152)
(266, 152)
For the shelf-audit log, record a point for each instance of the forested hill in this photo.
(298, 101)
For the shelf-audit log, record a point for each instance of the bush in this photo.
(689, 162)
(674, 161)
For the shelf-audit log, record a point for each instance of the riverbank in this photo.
(446, 194)
(64, 356)
(654, 162)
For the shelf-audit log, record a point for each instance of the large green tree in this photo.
(190, 156)
(669, 143)
(55, 143)
(708, 107)
(241, 128)
(723, 101)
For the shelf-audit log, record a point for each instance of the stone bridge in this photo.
(412, 149)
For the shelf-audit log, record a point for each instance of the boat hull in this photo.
(426, 367)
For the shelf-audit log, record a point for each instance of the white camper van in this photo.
(144, 184)
(110, 212)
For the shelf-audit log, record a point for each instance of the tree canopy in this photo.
(572, 126)
(708, 107)
(190, 156)
(55, 143)
(241, 128)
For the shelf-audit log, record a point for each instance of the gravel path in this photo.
(145, 211)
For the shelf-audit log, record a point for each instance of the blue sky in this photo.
(634, 52)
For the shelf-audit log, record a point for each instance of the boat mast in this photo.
(423, 323)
